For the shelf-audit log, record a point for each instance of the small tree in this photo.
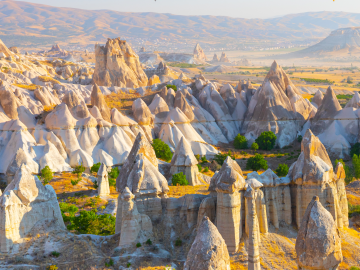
(179, 178)
(113, 175)
(174, 87)
(79, 170)
(355, 149)
(356, 165)
(46, 175)
(220, 158)
(95, 168)
(240, 142)
(256, 163)
(254, 146)
(266, 140)
(299, 138)
(349, 79)
(162, 150)
(282, 170)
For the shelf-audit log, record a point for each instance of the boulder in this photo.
(318, 244)
(158, 105)
(209, 250)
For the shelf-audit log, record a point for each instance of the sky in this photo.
(231, 8)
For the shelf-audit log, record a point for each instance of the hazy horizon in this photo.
(237, 9)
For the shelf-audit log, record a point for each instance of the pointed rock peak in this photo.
(318, 98)
(177, 116)
(120, 119)
(318, 244)
(126, 195)
(253, 183)
(95, 112)
(250, 191)
(102, 170)
(142, 146)
(229, 179)
(312, 146)
(330, 97)
(209, 250)
(71, 99)
(183, 156)
(274, 66)
(354, 102)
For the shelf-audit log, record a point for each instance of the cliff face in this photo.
(118, 65)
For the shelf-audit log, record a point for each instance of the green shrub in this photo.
(353, 209)
(79, 170)
(179, 178)
(282, 170)
(199, 167)
(162, 150)
(128, 265)
(88, 222)
(172, 86)
(75, 182)
(254, 146)
(266, 140)
(240, 142)
(138, 245)
(354, 268)
(256, 163)
(220, 158)
(148, 242)
(355, 149)
(356, 166)
(178, 242)
(206, 169)
(46, 175)
(68, 211)
(113, 175)
(95, 168)
(55, 254)
(299, 138)
(96, 184)
(110, 263)
(204, 159)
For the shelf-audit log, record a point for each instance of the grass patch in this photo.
(31, 87)
(310, 80)
(48, 79)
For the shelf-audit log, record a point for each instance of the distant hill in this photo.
(41, 24)
(341, 42)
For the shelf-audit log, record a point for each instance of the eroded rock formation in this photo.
(118, 65)
(103, 181)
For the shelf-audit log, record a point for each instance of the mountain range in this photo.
(33, 24)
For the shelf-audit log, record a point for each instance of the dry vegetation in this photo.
(31, 87)
(178, 191)
(48, 79)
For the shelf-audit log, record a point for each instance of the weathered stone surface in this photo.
(208, 250)
(25, 202)
(183, 105)
(103, 181)
(254, 232)
(224, 58)
(158, 105)
(8, 101)
(71, 99)
(4, 49)
(45, 97)
(153, 80)
(21, 158)
(142, 113)
(168, 95)
(135, 227)
(318, 244)
(184, 161)
(318, 97)
(98, 100)
(118, 65)
(313, 175)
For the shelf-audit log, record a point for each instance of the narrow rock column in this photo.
(103, 181)
(254, 232)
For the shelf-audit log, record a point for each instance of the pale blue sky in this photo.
(232, 8)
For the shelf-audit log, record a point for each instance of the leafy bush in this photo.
(52, 267)
(79, 170)
(199, 167)
(113, 175)
(355, 149)
(198, 157)
(55, 254)
(353, 209)
(95, 168)
(356, 166)
(354, 268)
(75, 182)
(68, 211)
(138, 245)
(148, 242)
(254, 146)
(256, 163)
(162, 150)
(240, 142)
(220, 158)
(349, 79)
(174, 87)
(206, 169)
(46, 175)
(282, 170)
(179, 178)
(110, 263)
(88, 222)
(299, 138)
(266, 140)
(178, 242)
(128, 265)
